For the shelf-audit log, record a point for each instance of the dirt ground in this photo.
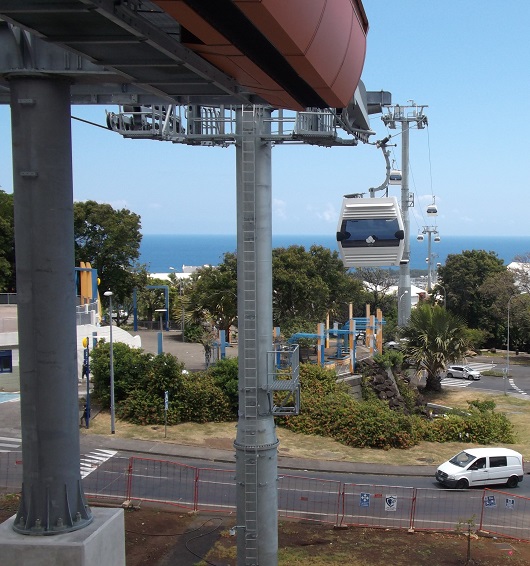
(162, 537)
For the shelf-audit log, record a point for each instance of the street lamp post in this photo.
(508, 344)
(112, 425)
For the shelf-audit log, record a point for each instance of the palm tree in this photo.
(435, 338)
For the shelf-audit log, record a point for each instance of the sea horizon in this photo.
(160, 252)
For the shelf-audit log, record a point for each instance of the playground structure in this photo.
(336, 348)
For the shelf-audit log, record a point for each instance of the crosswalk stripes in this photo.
(88, 462)
(452, 382)
(513, 386)
(10, 444)
(94, 459)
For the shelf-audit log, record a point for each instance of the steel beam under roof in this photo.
(113, 50)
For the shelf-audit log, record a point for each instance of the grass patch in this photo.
(222, 435)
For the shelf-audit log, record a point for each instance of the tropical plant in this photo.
(434, 338)
(213, 294)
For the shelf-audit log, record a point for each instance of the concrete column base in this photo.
(102, 543)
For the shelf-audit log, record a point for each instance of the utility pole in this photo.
(405, 115)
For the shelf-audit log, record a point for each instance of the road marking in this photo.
(91, 461)
(453, 382)
(9, 397)
(513, 386)
(12, 443)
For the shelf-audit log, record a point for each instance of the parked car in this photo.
(395, 344)
(482, 466)
(464, 372)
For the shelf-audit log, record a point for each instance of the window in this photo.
(6, 361)
(497, 461)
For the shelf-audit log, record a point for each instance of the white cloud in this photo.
(279, 208)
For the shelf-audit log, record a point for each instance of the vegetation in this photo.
(7, 243)
(141, 381)
(213, 294)
(434, 339)
(308, 285)
(110, 240)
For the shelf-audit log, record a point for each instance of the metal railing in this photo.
(8, 298)
(166, 482)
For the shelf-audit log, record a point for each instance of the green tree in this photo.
(435, 337)
(110, 240)
(213, 294)
(309, 284)
(7, 243)
(462, 276)
(495, 293)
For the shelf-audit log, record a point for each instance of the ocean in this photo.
(162, 251)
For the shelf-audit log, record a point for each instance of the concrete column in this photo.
(52, 496)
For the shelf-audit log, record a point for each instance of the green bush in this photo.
(203, 401)
(482, 406)
(193, 332)
(390, 359)
(327, 409)
(478, 428)
(130, 368)
(225, 376)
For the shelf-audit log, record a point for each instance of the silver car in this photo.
(464, 372)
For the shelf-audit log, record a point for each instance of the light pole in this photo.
(112, 426)
(508, 344)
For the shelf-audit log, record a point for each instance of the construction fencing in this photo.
(193, 488)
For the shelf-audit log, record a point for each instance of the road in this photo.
(517, 383)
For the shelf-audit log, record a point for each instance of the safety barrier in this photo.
(311, 499)
(165, 482)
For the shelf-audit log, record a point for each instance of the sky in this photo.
(465, 60)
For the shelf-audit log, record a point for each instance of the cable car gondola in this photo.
(432, 210)
(395, 177)
(370, 232)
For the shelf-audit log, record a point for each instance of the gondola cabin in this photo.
(370, 232)
(395, 177)
(432, 210)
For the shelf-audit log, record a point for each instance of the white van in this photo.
(482, 466)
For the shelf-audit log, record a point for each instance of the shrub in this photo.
(130, 368)
(203, 401)
(225, 376)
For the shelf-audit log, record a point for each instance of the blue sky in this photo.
(467, 60)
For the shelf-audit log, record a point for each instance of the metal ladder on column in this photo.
(250, 334)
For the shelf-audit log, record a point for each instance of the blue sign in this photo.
(489, 501)
(364, 500)
(166, 400)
